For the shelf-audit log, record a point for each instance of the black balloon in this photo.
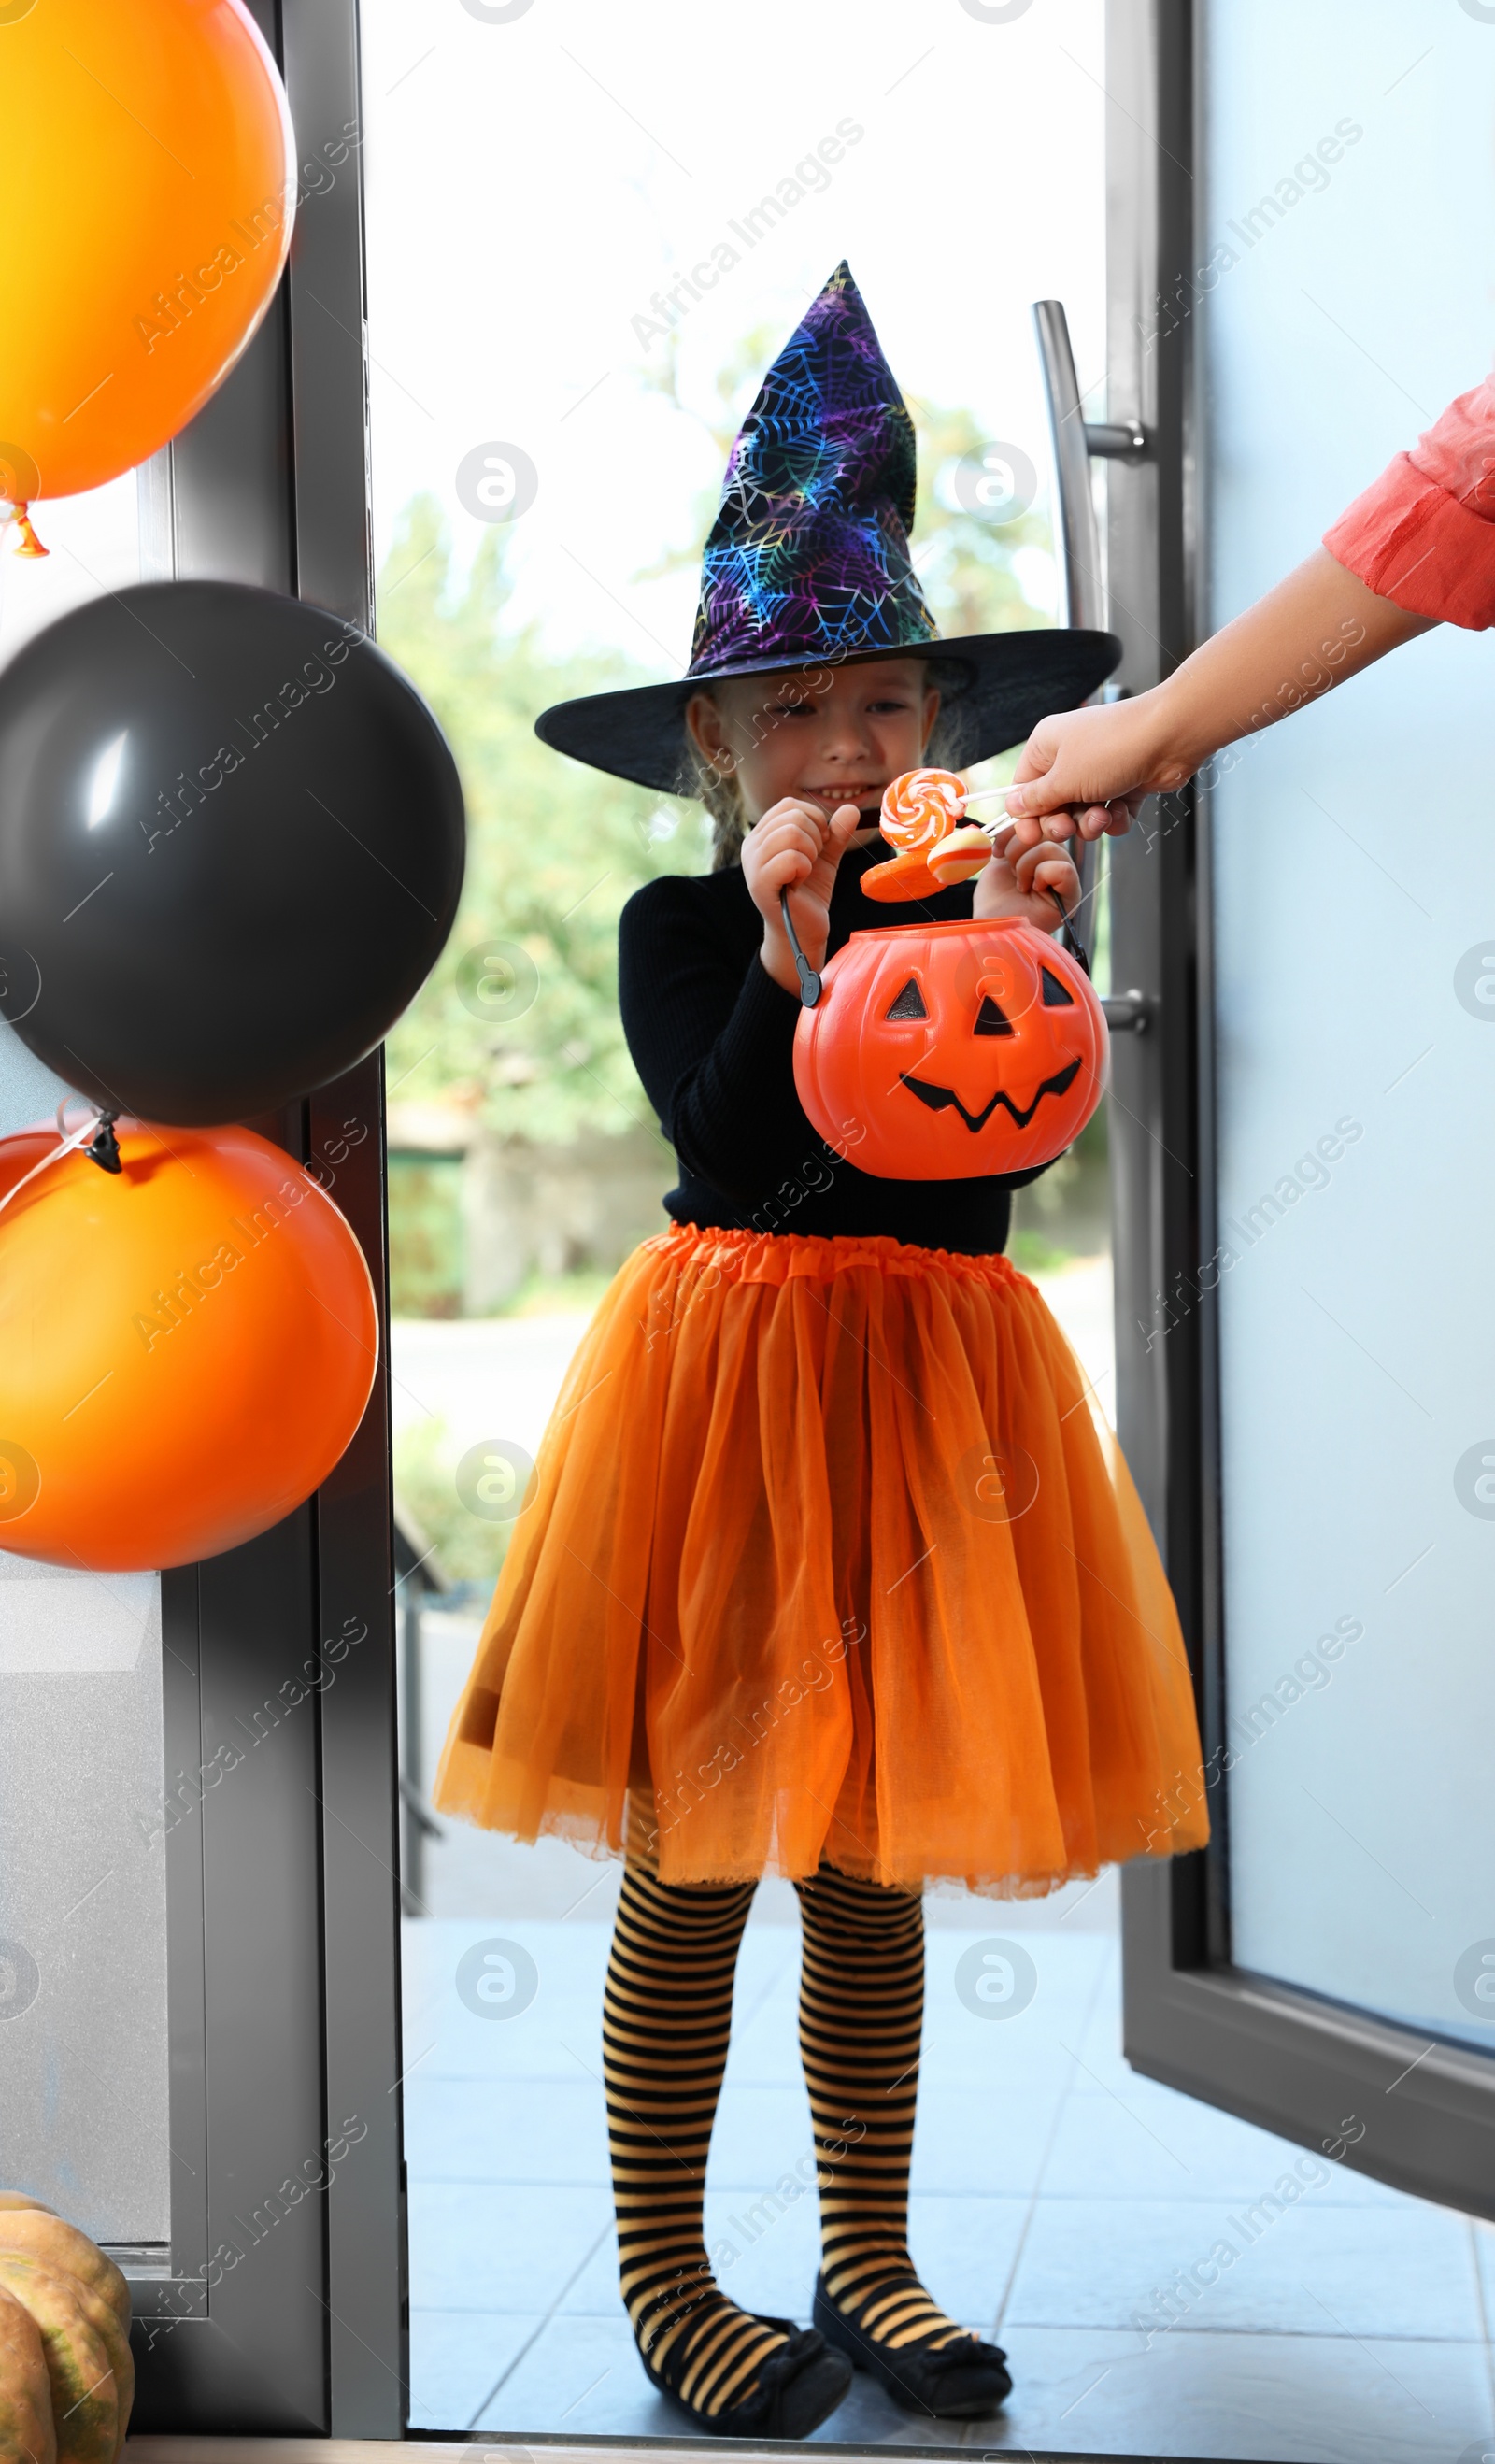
(230, 848)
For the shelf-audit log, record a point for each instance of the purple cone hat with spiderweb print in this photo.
(808, 556)
(808, 566)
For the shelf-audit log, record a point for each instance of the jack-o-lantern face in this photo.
(952, 1051)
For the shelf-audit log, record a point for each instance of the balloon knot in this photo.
(28, 543)
(103, 1148)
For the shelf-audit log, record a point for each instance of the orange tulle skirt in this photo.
(829, 1555)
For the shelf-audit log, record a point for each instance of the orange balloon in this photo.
(185, 1346)
(147, 194)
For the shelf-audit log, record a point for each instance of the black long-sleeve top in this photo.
(711, 1037)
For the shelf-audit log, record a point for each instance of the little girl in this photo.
(831, 1571)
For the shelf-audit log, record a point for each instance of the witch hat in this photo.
(808, 566)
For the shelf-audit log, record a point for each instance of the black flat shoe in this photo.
(958, 2382)
(794, 2390)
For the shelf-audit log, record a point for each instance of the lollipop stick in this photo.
(994, 822)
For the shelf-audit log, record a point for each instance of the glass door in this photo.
(1355, 1554)
(1302, 1213)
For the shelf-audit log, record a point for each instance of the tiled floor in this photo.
(1057, 2196)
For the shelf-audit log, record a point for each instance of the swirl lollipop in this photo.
(921, 815)
(921, 806)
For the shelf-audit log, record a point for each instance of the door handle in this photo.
(1079, 540)
(1078, 543)
(1126, 442)
(1074, 443)
(1129, 1013)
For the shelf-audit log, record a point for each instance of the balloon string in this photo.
(28, 543)
(70, 1139)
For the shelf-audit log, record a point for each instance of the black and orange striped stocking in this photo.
(861, 2016)
(667, 2017)
(666, 2028)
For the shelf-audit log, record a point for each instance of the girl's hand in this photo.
(796, 846)
(1017, 881)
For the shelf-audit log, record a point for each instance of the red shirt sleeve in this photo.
(1423, 534)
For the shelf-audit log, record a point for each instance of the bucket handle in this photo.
(810, 983)
(1067, 937)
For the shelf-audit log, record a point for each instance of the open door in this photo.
(1302, 1172)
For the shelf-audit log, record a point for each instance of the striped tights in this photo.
(666, 2025)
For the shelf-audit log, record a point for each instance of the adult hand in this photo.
(1083, 773)
(796, 846)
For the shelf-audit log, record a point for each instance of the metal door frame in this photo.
(1310, 2069)
(284, 2307)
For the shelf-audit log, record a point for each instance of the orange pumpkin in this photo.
(26, 2424)
(67, 2375)
(952, 1051)
(76, 2332)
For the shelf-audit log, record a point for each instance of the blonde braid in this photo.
(722, 798)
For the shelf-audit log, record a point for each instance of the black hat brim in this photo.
(996, 688)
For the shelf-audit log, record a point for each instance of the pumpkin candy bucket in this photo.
(951, 1052)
